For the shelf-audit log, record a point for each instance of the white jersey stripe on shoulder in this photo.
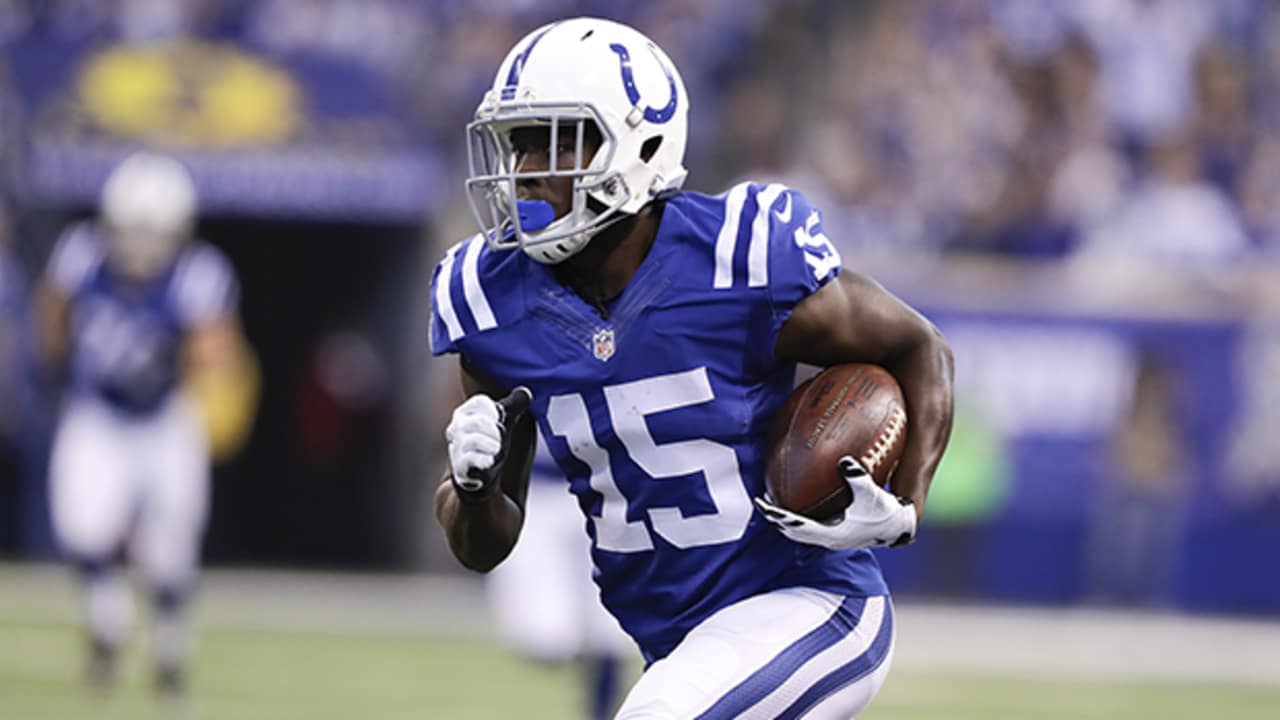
(201, 285)
(758, 251)
(444, 296)
(727, 240)
(476, 300)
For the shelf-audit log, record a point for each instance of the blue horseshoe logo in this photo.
(517, 63)
(655, 116)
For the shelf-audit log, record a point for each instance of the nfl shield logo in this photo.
(602, 344)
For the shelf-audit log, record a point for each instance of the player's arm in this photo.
(53, 327)
(854, 319)
(215, 343)
(482, 529)
(70, 264)
(221, 372)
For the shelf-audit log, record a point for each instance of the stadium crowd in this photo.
(1040, 129)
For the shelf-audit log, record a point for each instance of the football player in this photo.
(659, 332)
(129, 308)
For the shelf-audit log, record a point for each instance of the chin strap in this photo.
(545, 252)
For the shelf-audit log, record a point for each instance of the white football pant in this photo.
(141, 484)
(792, 653)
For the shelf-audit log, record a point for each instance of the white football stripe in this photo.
(757, 630)
(201, 285)
(727, 240)
(444, 299)
(758, 252)
(476, 300)
(825, 662)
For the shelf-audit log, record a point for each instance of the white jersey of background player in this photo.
(129, 307)
(658, 331)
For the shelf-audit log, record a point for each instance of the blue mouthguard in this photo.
(535, 214)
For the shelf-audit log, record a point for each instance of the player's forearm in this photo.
(480, 534)
(52, 329)
(926, 374)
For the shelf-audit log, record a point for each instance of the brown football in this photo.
(855, 409)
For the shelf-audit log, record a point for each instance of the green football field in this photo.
(265, 666)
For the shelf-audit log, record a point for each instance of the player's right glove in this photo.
(475, 442)
(874, 518)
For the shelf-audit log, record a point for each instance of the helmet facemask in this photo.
(597, 197)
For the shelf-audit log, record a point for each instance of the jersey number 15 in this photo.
(628, 404)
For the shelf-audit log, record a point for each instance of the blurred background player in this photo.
(129, 308)
(543, 598)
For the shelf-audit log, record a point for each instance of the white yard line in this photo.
(1082, 643)
(1091, 643)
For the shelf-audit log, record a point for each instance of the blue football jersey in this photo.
(545, 469)
(658, 415)
(127, 337)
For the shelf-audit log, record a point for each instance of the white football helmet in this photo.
(148, 206)
(566, 76)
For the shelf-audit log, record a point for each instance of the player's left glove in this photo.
(874, 518)
(475, 436)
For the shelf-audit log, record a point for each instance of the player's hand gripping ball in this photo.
(833, 446)
(474, 435)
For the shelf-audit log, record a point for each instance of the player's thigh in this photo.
(851, 698)
(175, 501)
(791, 653)
(536, 593)
(91, 482)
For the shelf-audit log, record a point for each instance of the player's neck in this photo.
(601, 271)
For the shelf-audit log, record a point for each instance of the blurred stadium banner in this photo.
(303, 136)
(1121, 423)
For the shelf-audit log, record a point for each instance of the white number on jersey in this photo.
(118, 344)
(568, 417)
(821, 255)
(629, 404)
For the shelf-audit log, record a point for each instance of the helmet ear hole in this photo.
(650, 147)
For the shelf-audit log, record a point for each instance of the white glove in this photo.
(874, 518)
(475, 441)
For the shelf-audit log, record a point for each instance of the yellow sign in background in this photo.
(190, 94)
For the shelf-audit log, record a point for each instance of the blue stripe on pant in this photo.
(848, 673)
(776, 672)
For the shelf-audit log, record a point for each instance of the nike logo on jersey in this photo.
(784, 215)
